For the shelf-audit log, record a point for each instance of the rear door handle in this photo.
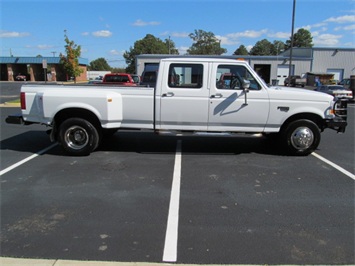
(168, 94)
(217, 95)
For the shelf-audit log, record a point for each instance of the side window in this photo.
(232, 77)
(185, 76)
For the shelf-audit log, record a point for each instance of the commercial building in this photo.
(37, 68)
(311, 62)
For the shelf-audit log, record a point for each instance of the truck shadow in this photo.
(29, 141)
(146, 142)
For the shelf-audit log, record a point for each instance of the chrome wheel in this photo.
(302, 138)
(76, 137)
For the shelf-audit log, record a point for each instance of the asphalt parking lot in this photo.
(148, 198)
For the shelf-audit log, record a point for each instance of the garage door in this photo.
(282, 73)
(338, 73)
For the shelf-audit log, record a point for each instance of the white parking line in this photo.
(345, 172)
(8, 169)
(171, 236)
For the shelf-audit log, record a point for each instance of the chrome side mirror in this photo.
(246, 86)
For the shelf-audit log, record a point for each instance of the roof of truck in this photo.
(204, 59)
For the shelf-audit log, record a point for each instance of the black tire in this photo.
(300, 137)
(78, 136)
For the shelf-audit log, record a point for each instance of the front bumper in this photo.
(338, 123)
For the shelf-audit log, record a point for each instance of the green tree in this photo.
(277, 47)
(263, 47)
(242, 50)
(171, 46)
(148, 45)
(302, 38)
(70, 61)
(100, 64)
(205, 43)
(118, 70)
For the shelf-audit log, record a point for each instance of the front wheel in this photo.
(301, 137)
(78, 136)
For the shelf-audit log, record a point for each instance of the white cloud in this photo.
(326, 39)
(227, 41)
(175, 34)
(317, 25)
(102, 33)
(141, 23)
(350, 27)
(183, 49)
(44, 46)
(280, 35)
(342, 19)
(233, 38)
(12, 34)
(247, 34)
(180, 34)
(85, 33)
(115, 52)
(249, 47)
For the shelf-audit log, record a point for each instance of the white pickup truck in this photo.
(202, 96)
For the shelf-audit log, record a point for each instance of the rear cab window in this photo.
(185, 76)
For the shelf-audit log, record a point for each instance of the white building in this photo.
(274, 69)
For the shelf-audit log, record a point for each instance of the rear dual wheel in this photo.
(78, 136)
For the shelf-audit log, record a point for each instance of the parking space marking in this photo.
(8, 169)
(334, 165)
(171, 236)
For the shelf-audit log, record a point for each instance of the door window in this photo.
(185, 76)
(232, 77)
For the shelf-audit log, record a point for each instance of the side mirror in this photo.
(246, 86)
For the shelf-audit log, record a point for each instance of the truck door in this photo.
(183, 101)
(229, 109)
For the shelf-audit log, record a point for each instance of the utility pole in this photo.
(291, 49)
(53, 53)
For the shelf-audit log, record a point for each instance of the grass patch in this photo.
(15, 101)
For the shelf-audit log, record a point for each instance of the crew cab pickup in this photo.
(188, 99)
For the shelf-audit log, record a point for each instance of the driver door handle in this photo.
(168, 94)
(217, 95)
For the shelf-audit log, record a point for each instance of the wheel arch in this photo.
(318, 120)
(67, 113)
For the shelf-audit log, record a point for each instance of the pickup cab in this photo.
(188, 99)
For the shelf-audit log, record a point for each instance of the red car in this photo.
(119, 79)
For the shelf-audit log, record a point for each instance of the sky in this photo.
(108, 28)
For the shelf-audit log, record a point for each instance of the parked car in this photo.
(345, 83)
(119, 79)
(96, 80)
(336, 90)
(295, 81)
(21, 77)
